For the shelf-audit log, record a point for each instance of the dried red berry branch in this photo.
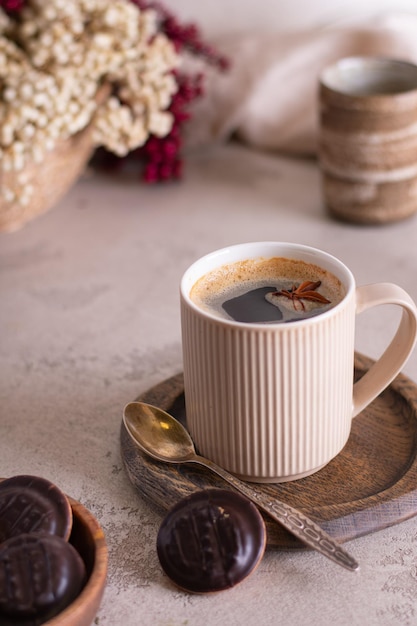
(12, 6)
(184, 36)
(161, 157)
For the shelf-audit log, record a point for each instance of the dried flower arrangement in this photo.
(78, 74)
(161, 156)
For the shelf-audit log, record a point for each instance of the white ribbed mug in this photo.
(274, 402)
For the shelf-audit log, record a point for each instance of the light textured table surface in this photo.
(89, 318)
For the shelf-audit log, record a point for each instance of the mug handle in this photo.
(381, 374)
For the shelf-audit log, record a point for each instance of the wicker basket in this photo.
(51, 179)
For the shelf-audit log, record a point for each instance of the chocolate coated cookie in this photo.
(40, 575)
(211, 540)
(33, 504)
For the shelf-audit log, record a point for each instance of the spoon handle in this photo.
(293, 520)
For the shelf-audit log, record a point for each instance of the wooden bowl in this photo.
(88, 538)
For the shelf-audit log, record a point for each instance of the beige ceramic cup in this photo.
(274, 402)
(368, 139)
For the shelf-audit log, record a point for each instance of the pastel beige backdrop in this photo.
(278, 48)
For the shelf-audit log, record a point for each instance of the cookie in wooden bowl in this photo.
(53, 556)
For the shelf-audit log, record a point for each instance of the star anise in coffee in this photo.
(305, 291)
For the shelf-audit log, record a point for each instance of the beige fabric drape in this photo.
(268, 97)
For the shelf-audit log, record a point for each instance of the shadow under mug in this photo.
(274, 402)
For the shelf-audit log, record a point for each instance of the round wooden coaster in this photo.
(370, 485)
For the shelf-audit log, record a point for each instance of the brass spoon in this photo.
(163, 438)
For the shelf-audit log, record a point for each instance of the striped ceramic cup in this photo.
(368, 139)
(274, 401)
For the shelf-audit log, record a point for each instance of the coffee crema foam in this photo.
(245, 290)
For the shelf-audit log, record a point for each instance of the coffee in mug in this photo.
(275, 290)
(274, 401)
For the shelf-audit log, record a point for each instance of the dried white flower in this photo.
(54, 61)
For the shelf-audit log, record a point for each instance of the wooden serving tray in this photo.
(370, 485)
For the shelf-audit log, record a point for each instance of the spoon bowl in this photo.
(159, 435)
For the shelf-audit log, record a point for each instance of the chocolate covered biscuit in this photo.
(211, 540)
(40, 575)
(33, 504)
